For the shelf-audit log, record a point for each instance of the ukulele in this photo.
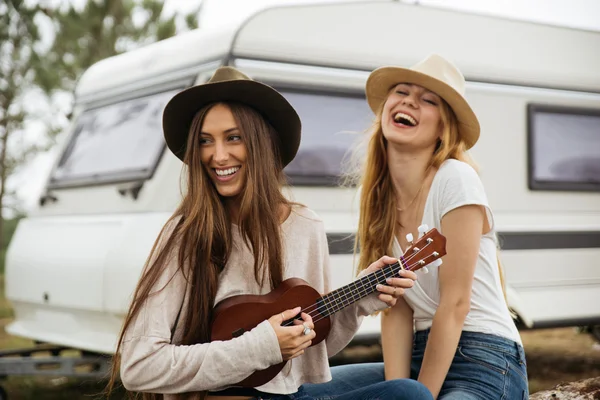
(238, 314)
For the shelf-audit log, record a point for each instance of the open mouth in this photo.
(405, 119)
(224, 174)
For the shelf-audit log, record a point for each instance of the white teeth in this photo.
(226, 172)
(400, 115)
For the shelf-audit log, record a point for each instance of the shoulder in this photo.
(304, 220)
(458, 184)
(452, 168)
(303, 214)
(457, 175)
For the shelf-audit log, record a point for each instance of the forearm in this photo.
(441, 346)
(346, 322)
(151, 364)
(396, 340)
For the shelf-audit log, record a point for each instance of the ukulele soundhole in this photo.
(238, 332)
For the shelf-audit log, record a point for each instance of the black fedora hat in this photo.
(229, 84)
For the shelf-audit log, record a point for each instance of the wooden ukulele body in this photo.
(238, 314)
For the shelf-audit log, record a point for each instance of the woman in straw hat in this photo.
(417, 171)
(235, 233)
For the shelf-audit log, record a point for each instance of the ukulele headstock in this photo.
(428, 249)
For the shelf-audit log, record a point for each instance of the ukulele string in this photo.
(323, 317)
(314, 307)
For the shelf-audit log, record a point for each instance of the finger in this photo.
(308, 321)
(390, 290)
(382, 262)
(289, 314)
(407, 274)
(400, 283)
(388, 299)
(305, 345)
(296, 330)
(298, 354)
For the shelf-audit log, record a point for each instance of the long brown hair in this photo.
(378, 214)
(201, 229)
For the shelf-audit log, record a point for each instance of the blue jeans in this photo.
(484, 367)
(360, 382)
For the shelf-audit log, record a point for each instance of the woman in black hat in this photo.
(235, 233)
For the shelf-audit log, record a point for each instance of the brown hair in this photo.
(201, 234)
(378, 213)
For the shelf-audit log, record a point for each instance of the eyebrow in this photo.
(412, 85)
(226, 131)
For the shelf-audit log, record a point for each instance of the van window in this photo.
(117, 142)
(564, 148)
(332, 124)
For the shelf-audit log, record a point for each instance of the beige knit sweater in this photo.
(150, 362)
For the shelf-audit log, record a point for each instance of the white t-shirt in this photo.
(457, 184)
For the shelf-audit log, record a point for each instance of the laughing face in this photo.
(411, 116)
(223, 151)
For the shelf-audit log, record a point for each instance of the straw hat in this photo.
(229, 84)
(436, 74)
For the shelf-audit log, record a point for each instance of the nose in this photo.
(409, 101)
(221, 155)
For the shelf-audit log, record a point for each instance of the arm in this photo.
(151, 363)
(346, 322)
(462, 227)
(396, 340)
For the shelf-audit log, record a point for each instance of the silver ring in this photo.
(306, 330)
(282, 317)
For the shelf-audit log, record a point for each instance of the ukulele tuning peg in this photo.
(409, 238)
(422, 229)
(425, 270)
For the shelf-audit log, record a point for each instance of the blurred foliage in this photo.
(9, 227)
(30, 59)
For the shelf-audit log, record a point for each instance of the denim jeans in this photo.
(359, 382)
(484, 367)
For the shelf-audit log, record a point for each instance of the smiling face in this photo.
(411, 116)
(222, 151)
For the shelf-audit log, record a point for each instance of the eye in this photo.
(204, 140)
(402, 92)
(234, 138)
(432, 102)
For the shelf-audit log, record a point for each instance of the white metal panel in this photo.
(59, 262)
(73, 327)
(166, 60)
(367, 35)
(501, 153)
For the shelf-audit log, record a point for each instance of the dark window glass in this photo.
(564, 148)
(121, 141)
(331, 125)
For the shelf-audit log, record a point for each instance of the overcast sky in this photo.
(583, 14)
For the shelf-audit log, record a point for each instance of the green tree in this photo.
(102, 29)
(19, 35)
(82, 36)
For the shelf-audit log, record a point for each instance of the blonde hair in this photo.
(378, 214)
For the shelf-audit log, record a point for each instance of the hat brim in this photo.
(383, 79)
(181, 109)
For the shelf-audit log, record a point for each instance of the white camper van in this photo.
(73, 263)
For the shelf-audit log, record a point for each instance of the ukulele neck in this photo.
(346, 295)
